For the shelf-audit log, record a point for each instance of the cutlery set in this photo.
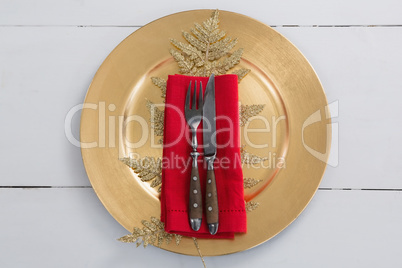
(206, 112)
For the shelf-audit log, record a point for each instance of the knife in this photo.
(209, 136)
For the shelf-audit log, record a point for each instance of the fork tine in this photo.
(187, 104)
(194, 96)
(200, 101)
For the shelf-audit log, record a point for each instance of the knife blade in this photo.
(209, 133)
(209, 138)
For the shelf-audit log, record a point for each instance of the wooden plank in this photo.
(360, 70)
(70, 228)
(125, 12)
(44, 72)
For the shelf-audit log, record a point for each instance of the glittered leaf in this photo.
(149, 225)
(161, 83)
(156, 182)
(207, 50)
(160, 240)
(169, 238)
(228, 63)
(249, 158)
(221, 48)
(250, 206)
(189, 51)
(138, 232)
(157, 118)
(145, 241)
(152, 233)
(177, 238)
(152, 239)
(185, 65)
(195, 42)
(128, 239)
(250, 182)
(157, 222)
(241, 73)
(147, 175)
(147, 168)
(248, 111)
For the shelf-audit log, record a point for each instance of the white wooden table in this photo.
(49, 214)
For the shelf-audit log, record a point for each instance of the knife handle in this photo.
(195, 196)
(211, 198)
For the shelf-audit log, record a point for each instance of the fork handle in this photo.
(211, 198)
(195, 197)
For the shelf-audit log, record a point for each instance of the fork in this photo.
(193, 118)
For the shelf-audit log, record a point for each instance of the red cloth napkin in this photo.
(176, 166)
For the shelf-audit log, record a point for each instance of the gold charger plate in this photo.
(280, 77)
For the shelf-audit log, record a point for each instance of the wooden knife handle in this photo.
(211, 199)
(195, 200)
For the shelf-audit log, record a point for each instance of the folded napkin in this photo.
(176, 166)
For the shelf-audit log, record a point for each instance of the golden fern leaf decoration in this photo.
(147, 168)
(248, 111)
(161, 83)
(252, 205)
(157, 119)
(152, 233)
(207, 50)
(241, 73)
(249, 158)
(250, 182)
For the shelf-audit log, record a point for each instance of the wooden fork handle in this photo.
(195, 196)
